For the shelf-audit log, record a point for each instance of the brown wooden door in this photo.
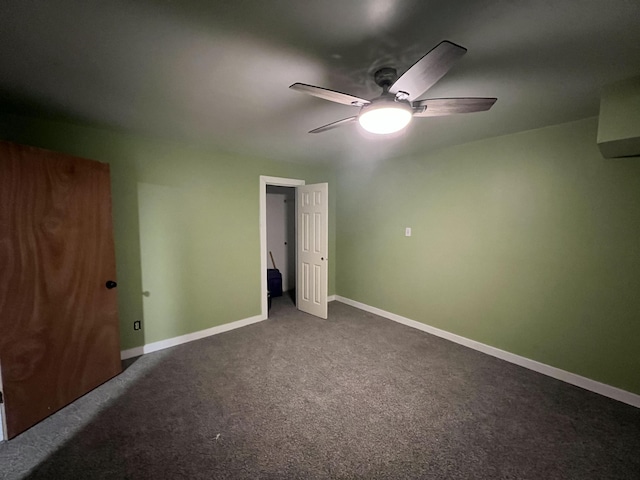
(58, 321)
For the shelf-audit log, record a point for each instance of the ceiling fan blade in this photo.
(330, 126)
(434, 107)
(428, 70)
(330, 95)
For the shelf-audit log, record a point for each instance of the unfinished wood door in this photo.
(58, 320)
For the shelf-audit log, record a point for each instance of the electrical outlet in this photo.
(407, 232)
(136, 325)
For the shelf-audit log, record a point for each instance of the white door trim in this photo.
(264, 181)
(3, 423)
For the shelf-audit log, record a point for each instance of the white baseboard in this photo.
(172, 342)
(189, 337)
(568, 377)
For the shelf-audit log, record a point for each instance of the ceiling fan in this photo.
(397, 105)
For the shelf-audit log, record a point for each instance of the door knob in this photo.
(111, 284)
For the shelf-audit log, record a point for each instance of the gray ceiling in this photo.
(216, 72)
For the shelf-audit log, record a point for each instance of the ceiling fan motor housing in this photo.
(387, 100)
(385, 77)
(385, 114)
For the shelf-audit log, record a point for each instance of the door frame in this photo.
(278, 182)
(3, 423)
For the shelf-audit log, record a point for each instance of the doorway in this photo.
(281, 247)
(265, 261)
(311, 244)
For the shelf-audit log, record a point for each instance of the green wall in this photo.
(528, 242)
(185, 225)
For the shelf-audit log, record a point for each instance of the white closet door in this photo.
(312, 248)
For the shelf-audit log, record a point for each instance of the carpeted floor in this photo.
(355, 396)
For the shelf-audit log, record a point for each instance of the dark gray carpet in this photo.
(356, 396)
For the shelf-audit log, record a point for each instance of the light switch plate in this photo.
(407, 232)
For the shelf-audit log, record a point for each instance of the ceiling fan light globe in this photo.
(385, 119)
